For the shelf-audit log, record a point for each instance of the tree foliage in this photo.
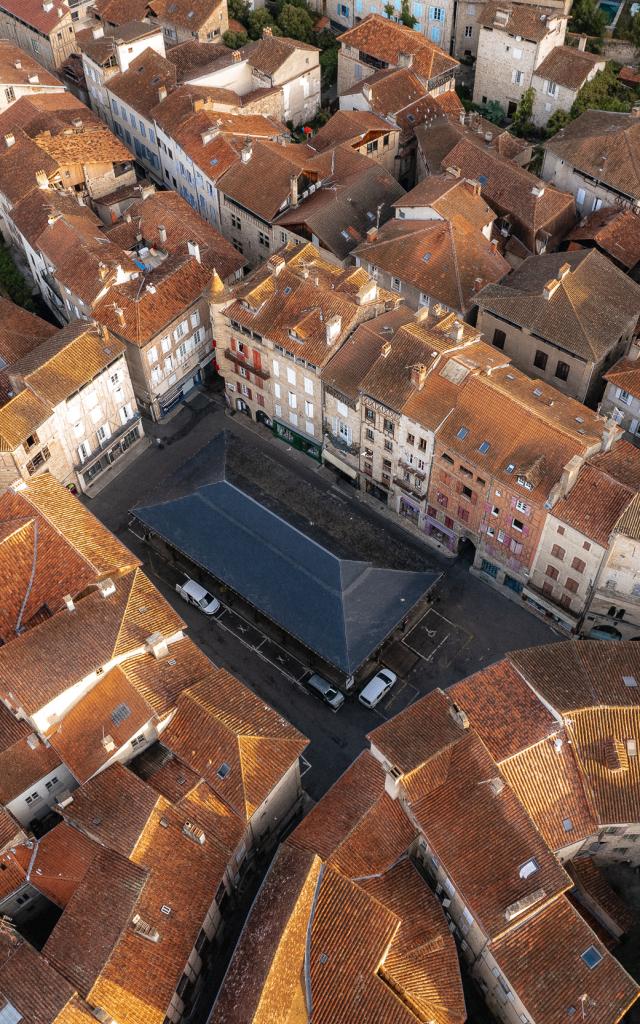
(296, 22)
(259, 20)
(12, 283)
(557, 121)
(406, 15)
(587, 17)
(522, 123)
(239, 10)
(603, 92)
(235, 40)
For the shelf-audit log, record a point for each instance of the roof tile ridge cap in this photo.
(566, 293)
(134, 575)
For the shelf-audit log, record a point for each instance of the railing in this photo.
(338, 442)
(240, 360)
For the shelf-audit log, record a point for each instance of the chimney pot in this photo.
(582, 42)
(162, 234)
(162, 93)
(372, 234)
(18, 65)
(418, 376)
(267, 31)
(97, 32)
(9, 140)
(236, 56)
(194, 250)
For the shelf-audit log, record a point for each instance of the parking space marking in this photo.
(432, 633)
(385, 710)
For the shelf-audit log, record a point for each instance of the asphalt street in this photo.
(469, 625)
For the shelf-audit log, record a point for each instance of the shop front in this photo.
(434, 528)
(300, 442)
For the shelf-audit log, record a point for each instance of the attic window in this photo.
(287, 290)
(528, 868)
(155, 79)
(119, 714)
(370, 215)
(9, 1014)
(223, 770)
(426, 257)
(629, 681)
(591, 957)
(484, 447)
(537, 392)
(510, 468)
(462, 433)
(567, 824)
(346, 235)
(482, 178)
(411, 118)
(214, 161)
(632, 748)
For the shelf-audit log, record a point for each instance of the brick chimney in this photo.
(9, 140)
(267, 31)
(236, 57)
(418, 376)
(293, 184)
(162, 234)
(582, 42)
(194, 250)
(333, 327)
(162, 93)
(372, 234)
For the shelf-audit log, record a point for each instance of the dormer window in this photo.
(528, 868)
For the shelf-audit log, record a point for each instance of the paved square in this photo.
(435, 637)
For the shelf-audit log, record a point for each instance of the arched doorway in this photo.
(466, 550)
(605, 633)
(242, 406)
(261, 417)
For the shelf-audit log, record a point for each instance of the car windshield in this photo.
(331, 694)
(205, 601)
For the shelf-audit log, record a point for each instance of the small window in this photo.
(540, 360)
(484, 447)
(591, 957)
(517, 525)
(562, 370)
(528, 868)
(462, 433)
(223, 770)
(510, 468)
(567, 824)
(499, 338)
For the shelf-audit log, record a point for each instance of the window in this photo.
(293, 419)
(396, 284)
(490, 531)
(125, 413)
(495, 511)
(468, 31)
(463, 513)
(551, 88)
(388, 427)
(500, 536)
(236, 222)
(293, 400)
(560, 530)
(552, 572)
(528, 868)
(442, 499)
(422, 444)
(84, 451)
(522, 506)
(152, 355)
(9, 94)
(571, 585)
(436, 14)
(517, 77)
(489, 568)
(308, 388)
(182, 329)
(624, 396)
(591, 957)
(195, 318)
(540, 359)
(291, 375)
(51, 783)
(370, 415)
(558, 552)
(263, 239)
(467, 493)
(562, 370)
(103, 433)
(517, 53)
(388, 446)
(517, 525)
(578, 565)
(567, 824)
(411, 439)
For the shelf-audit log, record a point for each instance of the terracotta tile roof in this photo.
(413, 737)
(269, 53)
(438, 135)
(161, 681)
(542, 962)
(547, 781)
(112, 809)
(508, 188)
(347, 369)
(529, 21)
(629, 522)
(118, 12)
(448, 260)
(177, 283)
(190, 14)
(422, 963)
(214, 816)
(621, 463)
(264, 182)
(20, 331)
(599, 735)
(349, 126)
(103, 50)
(450, 197)
(592, 883)
(94, 143)
(602, 144)
(32, 13)
(293, 307)
(594, 504)
(10, 830)
(194, 57)
(504, 712)
(570, 676)
(223, 150)
(62, 858)
(112, 708)
(20, 417)
(356, 827)
(386, 41)
(221, 723)
(83, 940)
(9, 73)
(182, 224)
(138, 85)
(460, 809)
(625, 374)
(568, 66)
(66, 361)
(23, 760)
(35, 989)
(19, 165)
(591, 306)
(162, 770)
(78, 642)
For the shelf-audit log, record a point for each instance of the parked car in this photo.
(193, 593)
(377, 688)
(319, 687)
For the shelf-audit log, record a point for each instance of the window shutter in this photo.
(349, 435)
(334, 425)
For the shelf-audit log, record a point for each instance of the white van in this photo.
(193, 593)
(377, 688)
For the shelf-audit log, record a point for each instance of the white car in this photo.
(377, 688)
(193, 593)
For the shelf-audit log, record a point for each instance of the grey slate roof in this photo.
(340, 608)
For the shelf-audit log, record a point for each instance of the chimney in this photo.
(610, 433)
(418, 376)
(193, 832)
(162, 234)
(194, 250)
(109, 743)
(127, 217)
(551, 288)
(76, 124)
(564, 270)
(245, 155)
(367, 92)
(569, 475)
(293, 182)
(68, 600)
(537, 191)
(457, 331)
(106, 588)
(267, 31)
(386, 349)
(477, 284)
(635, 110)
(368, 292)
(276, 264)
(47, 6)
(236, 57)
(9, 140)
(120, 315)
(405, 60)
(582, 42)
(372, 234)
(488, 138)
(33, 79)
(459, 716)
(453, 171)
(162, 93)
(333, 327)
(41, 179)
(494, 244)
(97, 32)
(520, 906)
(18, 65)
(156, 645)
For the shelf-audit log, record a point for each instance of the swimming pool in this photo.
(610, 8)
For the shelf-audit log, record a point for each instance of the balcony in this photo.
(241, 360)
(406, 486)
(340, 444)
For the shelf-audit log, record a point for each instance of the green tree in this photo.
(296, 23)
(635, 30)
(557, 121)
(603, 92)
(239, 10)
(389, 10)
(406, 15)
(235, 40)
(587, 17)
(258, 20)
(329, 66)
(522, 123)
(493, 112)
